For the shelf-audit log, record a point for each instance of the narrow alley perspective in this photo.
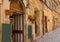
(29, 20)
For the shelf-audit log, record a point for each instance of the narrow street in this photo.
(53, 36)
(29, 20)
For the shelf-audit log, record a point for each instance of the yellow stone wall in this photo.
(57, 19)
(30, 11)
(48, 13)
(34, 4)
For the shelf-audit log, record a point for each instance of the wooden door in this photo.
(45, 24)
(53, 22)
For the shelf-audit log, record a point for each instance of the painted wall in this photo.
(30, 11)
(5, 6)
(4, 19)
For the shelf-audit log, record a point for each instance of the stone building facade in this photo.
(40, 17)
(48, 16)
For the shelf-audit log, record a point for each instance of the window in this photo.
(21, 0)
(59, 1)
(27, 4)
(53, 6)
(44, 1)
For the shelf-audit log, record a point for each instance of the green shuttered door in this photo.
(29, 32)
(5, 33)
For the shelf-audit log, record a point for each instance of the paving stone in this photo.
(53, 36)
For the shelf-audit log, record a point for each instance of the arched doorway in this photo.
(37, 22)
(17, 27)
(17, 21)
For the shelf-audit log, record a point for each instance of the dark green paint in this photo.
(29, 31)
(6, 33)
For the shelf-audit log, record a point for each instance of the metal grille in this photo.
(17, 30)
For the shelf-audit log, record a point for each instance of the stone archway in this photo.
(18, 9)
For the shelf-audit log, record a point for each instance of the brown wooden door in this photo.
(45, 24)
(53, 22)
(18, 28)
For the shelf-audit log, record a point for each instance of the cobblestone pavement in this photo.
(53, 36)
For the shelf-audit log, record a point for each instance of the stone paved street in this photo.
(53, 36)
(29, 20)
